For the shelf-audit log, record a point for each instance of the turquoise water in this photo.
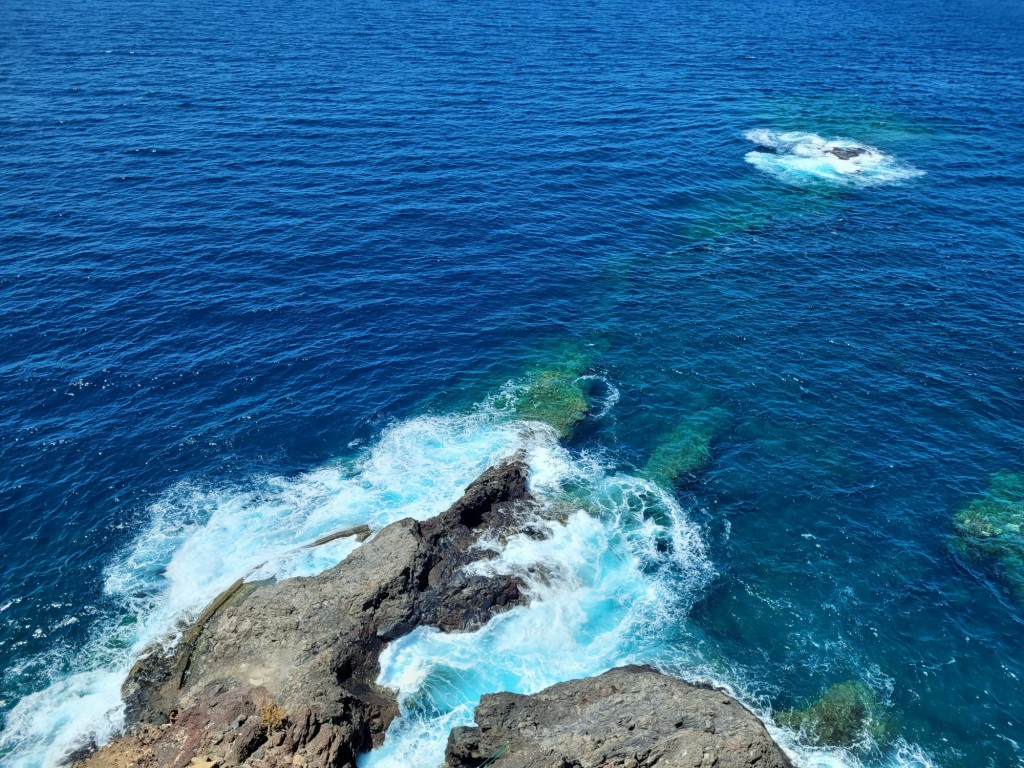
(270, 270)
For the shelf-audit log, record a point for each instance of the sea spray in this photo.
(609, 583)
(801, 159)
(605, 584)
(611, 579)
(199, 539)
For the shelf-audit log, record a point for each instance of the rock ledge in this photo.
(629, 717)
(278, 674)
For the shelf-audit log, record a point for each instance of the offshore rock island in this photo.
(284, 673)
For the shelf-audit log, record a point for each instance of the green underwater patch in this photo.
(846, 714)
(556, 394)
(842, 114)
(744, 212)
(686, 450)
(991, 527)
(556, 398)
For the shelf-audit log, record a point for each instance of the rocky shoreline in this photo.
(278, 674)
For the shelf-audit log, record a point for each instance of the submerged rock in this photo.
(277, 674)
(846, 714)
(801, 159)
(631, 716)
(556, 396)
(686, 450)
(992, 527)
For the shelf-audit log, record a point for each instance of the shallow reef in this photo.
(556, 395)
(991, 527)
(686, 449)
(846, 714)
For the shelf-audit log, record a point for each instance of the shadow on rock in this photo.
(283, 674)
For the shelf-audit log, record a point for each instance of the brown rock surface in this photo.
(276, 674)
(283, 674)
(629, 717)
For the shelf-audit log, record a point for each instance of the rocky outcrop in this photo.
(847, 153)
(283, 674)
(630, 717)
(276, 674)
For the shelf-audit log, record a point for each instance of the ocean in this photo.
(270, 269)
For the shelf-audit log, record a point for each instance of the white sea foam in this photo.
(603, 586)
(799, 158)
(899, 755)
(606, 396)
(198, 540)
(616, 574)
(608, 586)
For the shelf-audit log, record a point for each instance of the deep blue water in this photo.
(244, 243)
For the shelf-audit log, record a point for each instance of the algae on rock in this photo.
(846, 714)
(992, 526)
(686, 450)
(556, 395)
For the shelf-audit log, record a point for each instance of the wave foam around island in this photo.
(801, 159)
(617, 571)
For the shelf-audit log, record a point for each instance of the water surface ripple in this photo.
(260, 262)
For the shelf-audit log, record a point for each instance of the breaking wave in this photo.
(612, 581)
(801, 159)
(198, 540)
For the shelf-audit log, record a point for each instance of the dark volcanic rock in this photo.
(630, 717)
(277, 674)
(847, 153)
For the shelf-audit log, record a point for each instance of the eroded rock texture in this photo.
(629, 717)
(282, 674)
(277, 674)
